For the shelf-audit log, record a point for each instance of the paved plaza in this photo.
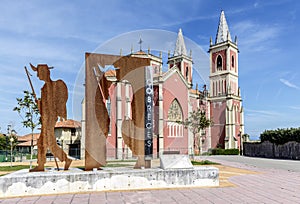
(275, 181)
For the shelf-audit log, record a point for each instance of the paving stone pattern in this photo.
(269, 186)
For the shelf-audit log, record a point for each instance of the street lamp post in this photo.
(8, 134)
(241, 142)
(11, 149)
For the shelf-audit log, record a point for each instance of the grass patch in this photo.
(33, 156)
(14, 168)
(117, 161)
(117, 165)
(204, 162)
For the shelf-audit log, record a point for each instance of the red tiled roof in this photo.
(68, 124)
(28, 137)
(27, 143)
(25, 140)
(110, 73)
(140, 53)
(193, 91)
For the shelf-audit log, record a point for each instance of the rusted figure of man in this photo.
(52, 105)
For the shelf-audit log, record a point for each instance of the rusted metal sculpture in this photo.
(132, 69)
(97, 120)
(52, 105)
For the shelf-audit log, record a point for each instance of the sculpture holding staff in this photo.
(52, 105)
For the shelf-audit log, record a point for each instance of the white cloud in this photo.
(190, 19)
(267, 4)
(256, 121)
(294, 107)
(261, 113)
(256, 37)
(38, 49)
(289, 84)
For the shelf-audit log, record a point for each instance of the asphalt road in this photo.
(264, 163)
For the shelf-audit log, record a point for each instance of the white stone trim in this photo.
(175, 129)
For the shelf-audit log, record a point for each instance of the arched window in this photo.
(232, 61)
(187, 73)
(213, 88)
(108, 107)
(222, 87)
(219, 62)
(175, 115)
(157, 69)
(216, 88)
(175, 111)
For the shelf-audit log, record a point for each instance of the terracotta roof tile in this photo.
(110, 73)
(68, 124)
(26, 144)
(193, 91)
(140, 53)
(28, 137)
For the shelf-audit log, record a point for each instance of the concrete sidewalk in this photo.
(268, 186)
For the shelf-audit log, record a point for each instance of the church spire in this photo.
(180, 45)
(223, 33)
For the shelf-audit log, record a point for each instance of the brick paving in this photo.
(270, 186)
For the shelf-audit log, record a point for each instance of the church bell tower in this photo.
(225, 98)
(181, 60)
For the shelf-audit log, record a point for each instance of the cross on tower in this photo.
(140, 42)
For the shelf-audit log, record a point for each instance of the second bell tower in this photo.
(225, 99)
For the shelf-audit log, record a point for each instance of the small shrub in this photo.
(219, 151)
(204, 162)
(231, 151)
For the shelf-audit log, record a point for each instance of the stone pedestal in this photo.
(23, 183)
(175, 161)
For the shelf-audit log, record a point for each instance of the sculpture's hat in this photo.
(39, 66)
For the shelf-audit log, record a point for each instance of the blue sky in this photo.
(60, 32)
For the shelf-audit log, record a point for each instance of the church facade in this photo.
(174, 99)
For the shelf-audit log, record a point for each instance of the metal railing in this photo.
(111, 153)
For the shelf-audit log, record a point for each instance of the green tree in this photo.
(246, 137)
(3, 142)
(281, 135)
(196, 122)
(29, 112)
(7, 145)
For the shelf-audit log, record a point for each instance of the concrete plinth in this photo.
(175, 161)
(22, 183)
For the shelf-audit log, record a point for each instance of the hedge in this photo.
(219, 151)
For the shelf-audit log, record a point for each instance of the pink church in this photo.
(175, 98)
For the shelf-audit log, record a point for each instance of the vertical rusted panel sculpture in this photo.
(131, 69)
(52, 105)
(97, 119)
